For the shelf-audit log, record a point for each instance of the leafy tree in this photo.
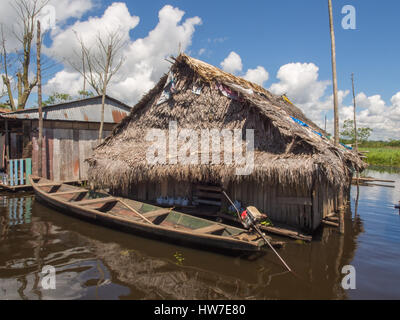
(348, 132)
(5, 106)
(85, 94)
(56, 98)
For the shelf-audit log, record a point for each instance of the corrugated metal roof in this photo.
(87, 110)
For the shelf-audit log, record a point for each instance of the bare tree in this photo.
(99, 63)
(27, 13)
(5, 65)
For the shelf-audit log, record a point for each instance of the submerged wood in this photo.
(330, 223)
(372, 179)
(277, 230)
(173, 226)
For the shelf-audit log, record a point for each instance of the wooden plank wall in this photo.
(298, 207)
(64, 152)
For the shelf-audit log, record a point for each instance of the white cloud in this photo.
(116, 17)
(65, 82)
(144, 57)
(232, 63)
(2, 87)
(63, 10)
(300, 82)
(375, 114)
(258, 75)
(66, 9)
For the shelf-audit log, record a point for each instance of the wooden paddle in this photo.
(135, 211)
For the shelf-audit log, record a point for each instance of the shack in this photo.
(298, 176)
(70, 131)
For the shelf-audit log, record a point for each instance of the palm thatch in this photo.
(285, 152)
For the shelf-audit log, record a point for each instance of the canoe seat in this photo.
(98, 200)
(210, 229)
(156, 213)
(68, 192)
(49, 184)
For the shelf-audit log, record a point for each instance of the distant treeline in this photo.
(375, 144)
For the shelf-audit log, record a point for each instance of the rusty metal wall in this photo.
(64, 153)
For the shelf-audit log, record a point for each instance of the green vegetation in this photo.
(383, 156)
(5, 106)
(85, 94)
(348, 132)
(58, 97)
(380, 153)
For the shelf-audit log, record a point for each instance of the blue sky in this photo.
(273, 33)
(286, 36)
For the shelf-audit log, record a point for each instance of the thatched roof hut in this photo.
(290, 152)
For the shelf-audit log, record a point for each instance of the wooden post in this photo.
(341, 220)
(7, 138)
(11, 172)
(334, 76)
(355, 138)
(39, 83)
(103, 98)
(355, 120)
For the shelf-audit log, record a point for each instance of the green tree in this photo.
(363, 133)
(83, 94)
(56, 98)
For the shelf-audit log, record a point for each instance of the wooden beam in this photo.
(286, 232)
(373, 179)
(68, 192)
(209, 188)
(210, 229)
(329, 223)
(98, 200)
(49, 184)
(213, 203)
(157, 213)
(212, 195)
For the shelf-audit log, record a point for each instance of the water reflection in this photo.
(93, 262)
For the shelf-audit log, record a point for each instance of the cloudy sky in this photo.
(281, 45)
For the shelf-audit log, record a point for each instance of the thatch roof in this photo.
(285, 151)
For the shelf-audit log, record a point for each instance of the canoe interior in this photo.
(157, 215)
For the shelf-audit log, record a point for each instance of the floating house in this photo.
(70, 132)
(295, 174)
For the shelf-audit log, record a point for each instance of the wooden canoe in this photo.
(145, 219)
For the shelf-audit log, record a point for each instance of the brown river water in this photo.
(93, 262)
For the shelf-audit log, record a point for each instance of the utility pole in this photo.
(355, 120)
(355, 140)
(39, 83)
(334, 76)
